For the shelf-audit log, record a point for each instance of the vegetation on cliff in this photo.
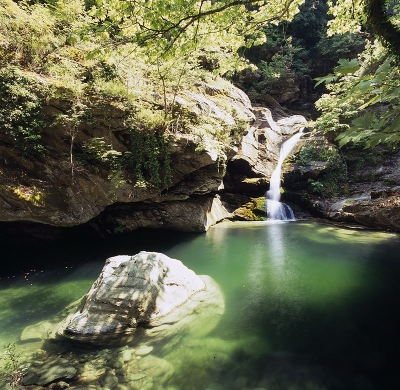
(140, 56)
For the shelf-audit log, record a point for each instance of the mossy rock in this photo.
(254, 210)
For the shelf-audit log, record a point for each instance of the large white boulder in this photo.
(146, 291)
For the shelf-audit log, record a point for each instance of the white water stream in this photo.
(275, 209)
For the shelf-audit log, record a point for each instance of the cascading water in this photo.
(275, 209)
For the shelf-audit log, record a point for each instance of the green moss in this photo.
(253, 210)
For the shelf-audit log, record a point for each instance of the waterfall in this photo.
(275, 209)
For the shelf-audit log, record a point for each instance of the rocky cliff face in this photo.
(374, 195)
(366, 191)
(212, 179)
(61, 189)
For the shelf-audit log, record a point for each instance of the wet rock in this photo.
(291, 124)
(49, 372)
(258, 153)
(159, 369)
(108, 380)
(91, 371)
(126, 354)
(39, 331)
(143, 351)
(136, 377)
(314, 169)
(116, 363)
(59, 386)
(122, 387)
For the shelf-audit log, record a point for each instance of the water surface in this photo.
(308, 306)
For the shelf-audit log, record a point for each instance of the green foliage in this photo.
(35, 35)
(382, 17)
(177, 26)
(20, 110)
(363, 104)
(316, 186)
(150, 155)
(12, 372)
(98, 152)
(330, 183)
(148, 158)
(317, 152)
(282, 62)
(357, 157)
(290, 50)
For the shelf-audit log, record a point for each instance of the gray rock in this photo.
(144, 350)
(109, 381)
(39, 331)
(131, 291)
(196, 214)
(49, 372)
(50, 194)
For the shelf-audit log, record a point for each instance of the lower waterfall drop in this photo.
(275, 209)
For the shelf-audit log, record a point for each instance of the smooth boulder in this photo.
(132, 292)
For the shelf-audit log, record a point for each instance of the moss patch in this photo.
(252, 211)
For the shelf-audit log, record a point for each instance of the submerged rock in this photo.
(148, 290)
(49, 372)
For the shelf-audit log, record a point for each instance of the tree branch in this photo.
(378, 20)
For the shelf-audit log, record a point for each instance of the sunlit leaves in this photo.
(366, 101)
(348, 16)
(347, 66)
(165, 27)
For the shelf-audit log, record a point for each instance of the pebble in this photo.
(126, 355)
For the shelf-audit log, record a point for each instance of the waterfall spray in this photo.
(275, 209)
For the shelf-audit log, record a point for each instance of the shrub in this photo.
(20, 111)
(331, 182)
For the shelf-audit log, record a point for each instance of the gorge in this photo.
(138, 143)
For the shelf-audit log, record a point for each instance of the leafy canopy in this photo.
(363, 105)
(164, 28)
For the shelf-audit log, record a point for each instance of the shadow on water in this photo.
(62, 271)
(58, 247)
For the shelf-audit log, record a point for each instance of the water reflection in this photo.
(308, 306)
(276, 244)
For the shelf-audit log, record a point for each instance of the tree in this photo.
(363, 106)
(163, 27)
(379, 17)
